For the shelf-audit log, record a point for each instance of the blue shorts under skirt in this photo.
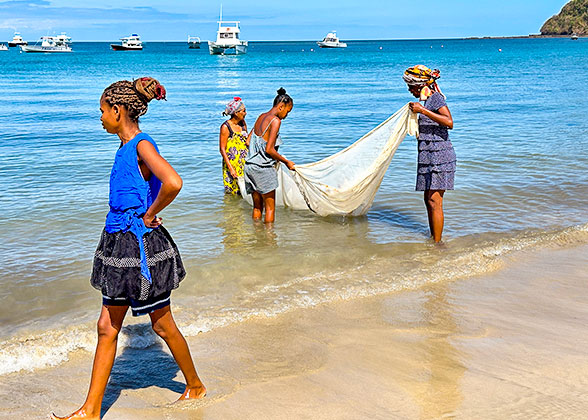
(140, 307)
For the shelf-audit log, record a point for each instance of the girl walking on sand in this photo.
(261, 178)
(137, 263)
(436, 157)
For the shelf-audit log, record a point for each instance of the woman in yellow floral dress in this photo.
(233, 142)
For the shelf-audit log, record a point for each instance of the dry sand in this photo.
(508, 345)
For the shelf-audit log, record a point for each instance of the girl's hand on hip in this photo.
(151, 222)
(416, 107)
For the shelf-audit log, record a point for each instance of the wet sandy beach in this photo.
(506, 345)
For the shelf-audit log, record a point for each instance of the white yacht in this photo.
(128, 43)
(49, 44)
(227, 39)
(331, 41)
(193, 42)
(3, 47)
(17, 40)
(62, 38)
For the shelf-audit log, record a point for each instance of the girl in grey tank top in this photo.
(261, 178)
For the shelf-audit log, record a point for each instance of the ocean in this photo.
(522, 182)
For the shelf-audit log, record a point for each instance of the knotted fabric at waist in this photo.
(131, 220)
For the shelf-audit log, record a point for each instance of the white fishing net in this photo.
(346, 182)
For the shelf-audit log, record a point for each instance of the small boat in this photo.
(574, 37)
(3, 47)
(227, 39)
(193, 42)
(62, 38)
(49, 44)
(17, 40)
(128, 43)
(331, 41)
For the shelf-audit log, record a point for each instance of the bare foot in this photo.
(80, 414)
(193, 393)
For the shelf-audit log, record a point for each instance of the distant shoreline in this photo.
(520, 36)
(469, 38)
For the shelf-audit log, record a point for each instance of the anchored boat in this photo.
(49, 44)
(128, 43)
(63, 39)
(331, 41)
(193, 42)
(227, 39)
(17, 40)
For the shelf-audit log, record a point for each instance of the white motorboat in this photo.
(574, 36)
(227, 39)
(128, 43)
(3, 47)
(331, 41)
(17, 40)
(193, 42)
(49, 44)
(62, 38)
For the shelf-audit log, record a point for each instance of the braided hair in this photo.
(283, 97)
(134, 96)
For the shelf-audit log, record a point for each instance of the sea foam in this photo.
(36, 350)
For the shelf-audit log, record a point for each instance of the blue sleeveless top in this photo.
(131, 196)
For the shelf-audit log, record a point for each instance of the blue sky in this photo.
(275, 20)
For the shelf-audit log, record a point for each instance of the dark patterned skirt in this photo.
(436, 165)
(117, 265)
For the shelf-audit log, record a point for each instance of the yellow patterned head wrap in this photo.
(422, 76)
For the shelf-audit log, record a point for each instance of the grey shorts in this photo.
(260, 179)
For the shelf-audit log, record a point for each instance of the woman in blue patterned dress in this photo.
(436, 157)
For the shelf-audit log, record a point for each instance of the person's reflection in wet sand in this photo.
(441, 394)
(433, 366)
(265, 235)
(237, 236)
(242, 236)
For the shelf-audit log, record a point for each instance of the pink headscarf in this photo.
(235, 105)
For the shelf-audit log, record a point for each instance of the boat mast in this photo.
(220, 22)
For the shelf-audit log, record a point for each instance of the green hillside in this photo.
(573, 18)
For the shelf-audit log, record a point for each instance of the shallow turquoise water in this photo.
(520, 136)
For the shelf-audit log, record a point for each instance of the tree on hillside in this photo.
(573, 18)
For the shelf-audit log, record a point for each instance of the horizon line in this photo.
(536, 35)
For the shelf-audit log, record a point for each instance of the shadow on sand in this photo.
(399, 219)
(141, 368)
